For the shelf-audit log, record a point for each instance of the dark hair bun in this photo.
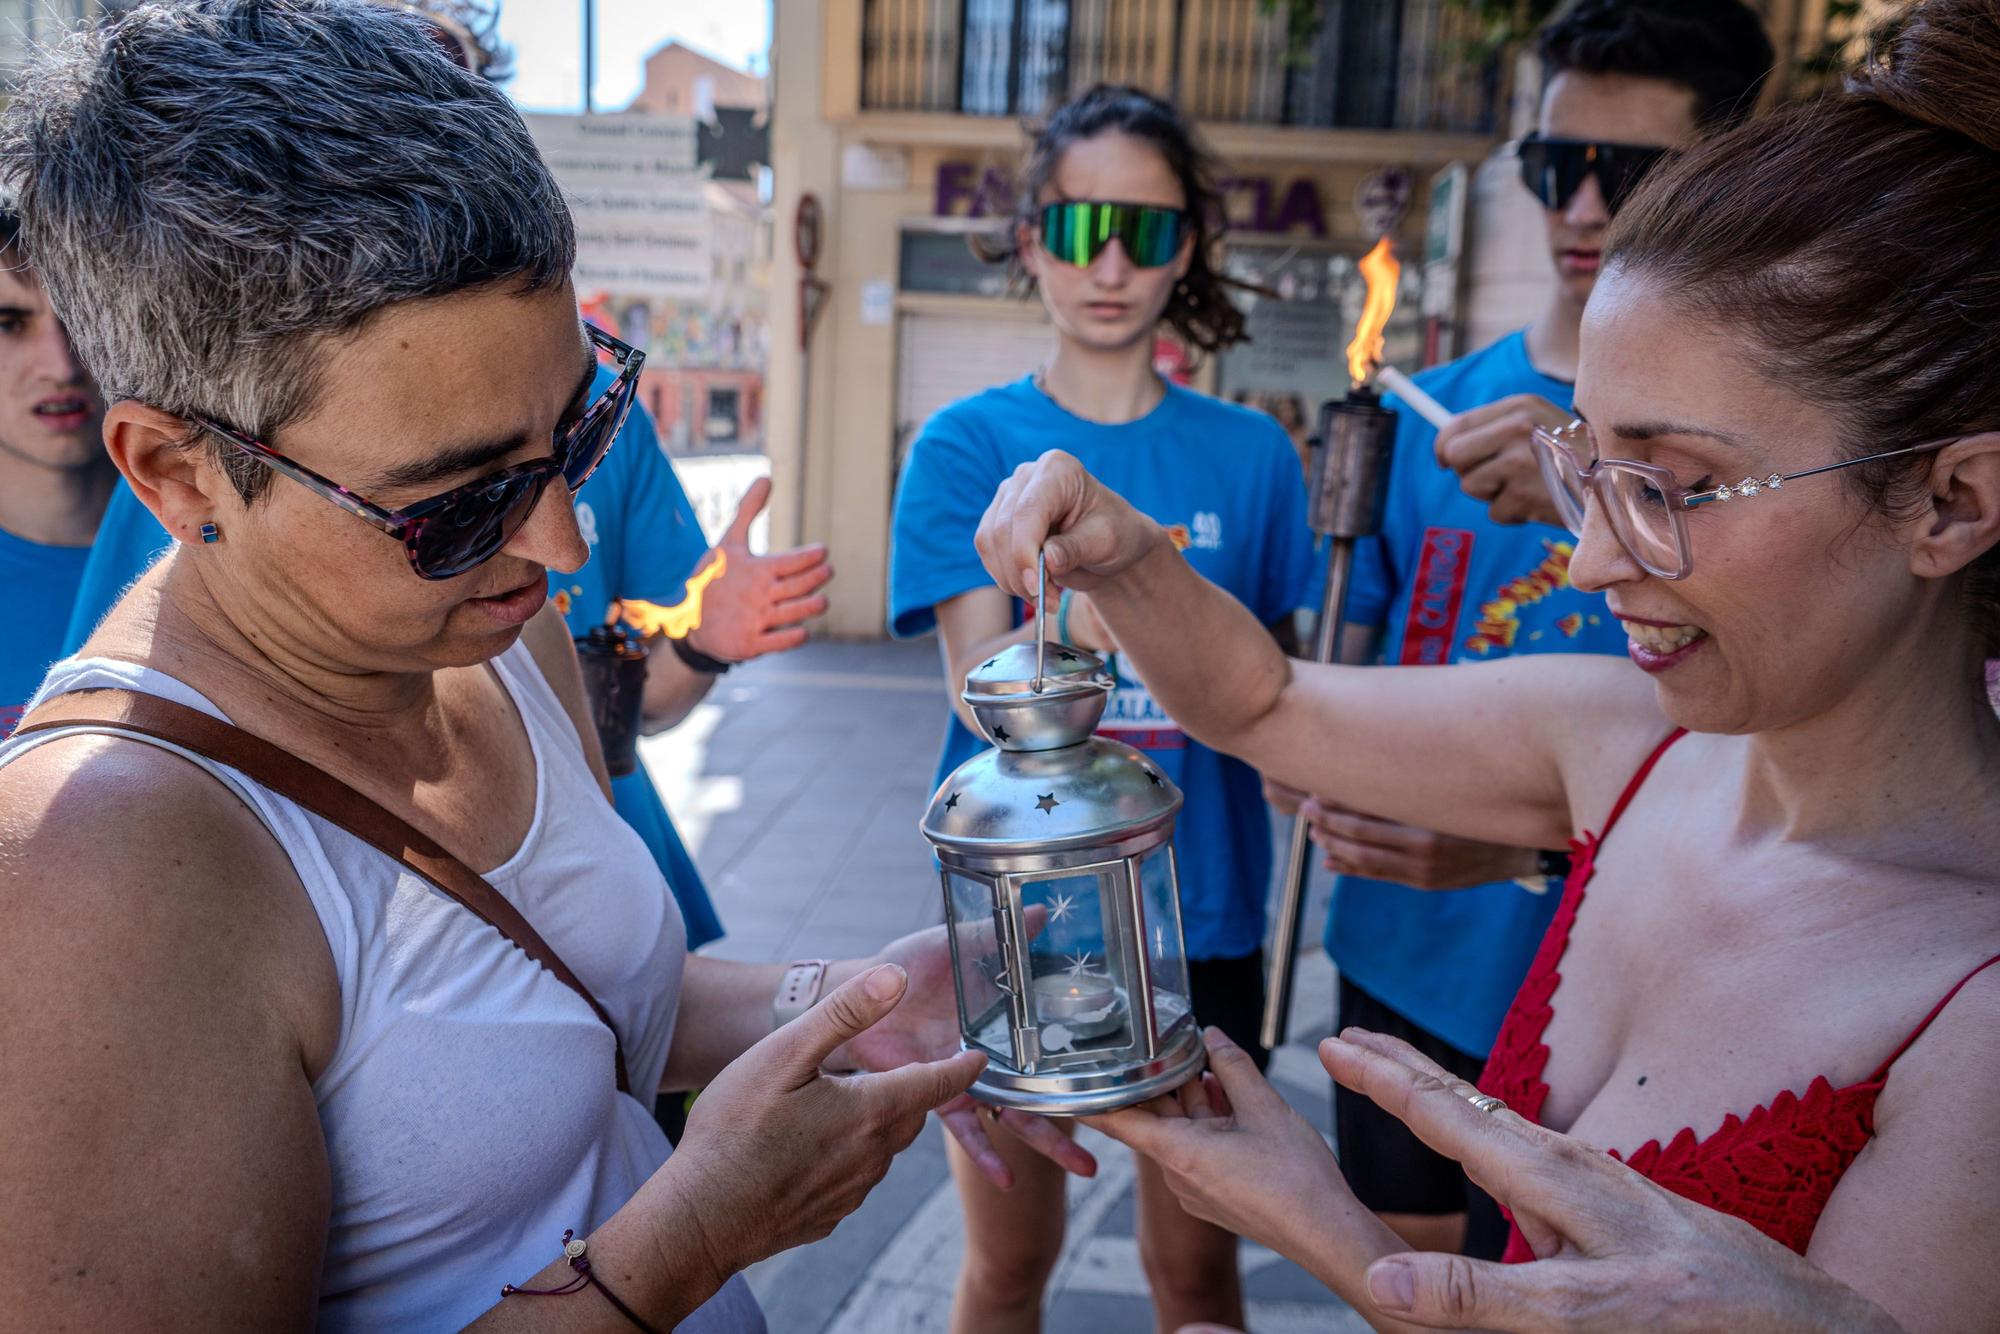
(1940, 64)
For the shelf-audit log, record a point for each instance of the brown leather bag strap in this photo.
(323, 795)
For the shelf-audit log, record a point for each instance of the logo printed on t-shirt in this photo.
(1500, 619)
(1207, 531)
(1440, 591)
(586, 523)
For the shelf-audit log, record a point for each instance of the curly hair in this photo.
(1199, 309)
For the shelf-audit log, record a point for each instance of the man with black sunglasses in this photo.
(1468, 567)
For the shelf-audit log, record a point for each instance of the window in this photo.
(723, 421)
(1016, 56)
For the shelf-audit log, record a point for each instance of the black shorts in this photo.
(1229, 993)
(1388, 1167)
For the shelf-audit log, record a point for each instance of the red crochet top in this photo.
(1774, 1168)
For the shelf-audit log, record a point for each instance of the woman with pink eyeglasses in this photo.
(1770, 990)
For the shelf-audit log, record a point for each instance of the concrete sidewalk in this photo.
(798, 785)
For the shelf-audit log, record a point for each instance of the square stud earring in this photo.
(210, 533)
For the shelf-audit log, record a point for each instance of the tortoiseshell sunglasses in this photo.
(449, 534)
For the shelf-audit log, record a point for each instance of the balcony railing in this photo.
(1372, 64)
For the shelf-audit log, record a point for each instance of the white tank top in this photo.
(469, 1110)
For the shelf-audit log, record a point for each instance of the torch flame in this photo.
(675, 622)
(1380, 270)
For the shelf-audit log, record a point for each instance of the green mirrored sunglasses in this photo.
(1076, 231)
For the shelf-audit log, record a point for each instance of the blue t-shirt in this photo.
(44, 580)
(1225, 481)
(644, 543)
(1448, 584)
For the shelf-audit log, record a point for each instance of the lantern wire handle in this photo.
(1041, 616)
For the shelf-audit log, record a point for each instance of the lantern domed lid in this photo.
(1098, 791)
(1016, 716)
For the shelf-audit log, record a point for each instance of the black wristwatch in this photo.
(1554, 865)
(696, 659)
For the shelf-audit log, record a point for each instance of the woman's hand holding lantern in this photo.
(776, 1153)
(925, 1028)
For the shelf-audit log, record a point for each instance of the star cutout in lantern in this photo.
(1153, 778)
(1079, 964)
(1060, 907)
(952, 803)
(1047, 802)
(1000, 734)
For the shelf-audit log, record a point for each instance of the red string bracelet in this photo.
(573, 1251)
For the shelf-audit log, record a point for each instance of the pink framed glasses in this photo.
(1647, 510)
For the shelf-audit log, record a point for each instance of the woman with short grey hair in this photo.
(323, 277)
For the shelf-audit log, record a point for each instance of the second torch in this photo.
(1350, 473)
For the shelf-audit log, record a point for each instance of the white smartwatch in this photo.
(798, 990)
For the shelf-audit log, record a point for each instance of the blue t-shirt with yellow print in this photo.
(1225, 481)
(1448, 584)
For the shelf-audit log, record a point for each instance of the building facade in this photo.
(896, 127)
(899, 124)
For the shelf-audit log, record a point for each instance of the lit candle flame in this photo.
(675, 622)
(1380, 269)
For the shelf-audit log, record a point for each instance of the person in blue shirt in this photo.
(1458, 573)
(644, 543)
(54, 475)
(1114, 229)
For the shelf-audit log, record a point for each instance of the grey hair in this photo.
(213, 190)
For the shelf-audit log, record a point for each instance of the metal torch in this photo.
(1350, 473)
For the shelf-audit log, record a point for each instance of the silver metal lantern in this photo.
(1061, 895)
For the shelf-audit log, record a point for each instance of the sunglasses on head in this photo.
(451, 533)
(1076, 231)
(1554, 169)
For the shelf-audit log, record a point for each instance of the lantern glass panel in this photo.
(984, 1016)
(1166, 955)
(1075, 962)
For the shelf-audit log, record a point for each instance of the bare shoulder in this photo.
(165, 991)
(110, 846)
(548, 639)
(1603, 718)
(1911, 1223)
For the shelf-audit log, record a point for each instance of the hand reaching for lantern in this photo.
(1492, 449)
(1614, 1251)
(758, 604)
(1236, 1154)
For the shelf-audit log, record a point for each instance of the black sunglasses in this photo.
(449, 534)
(1554, 169)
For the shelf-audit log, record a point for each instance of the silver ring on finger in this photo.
(1485, 1102)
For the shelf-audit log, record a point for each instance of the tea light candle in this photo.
(1060, 996)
